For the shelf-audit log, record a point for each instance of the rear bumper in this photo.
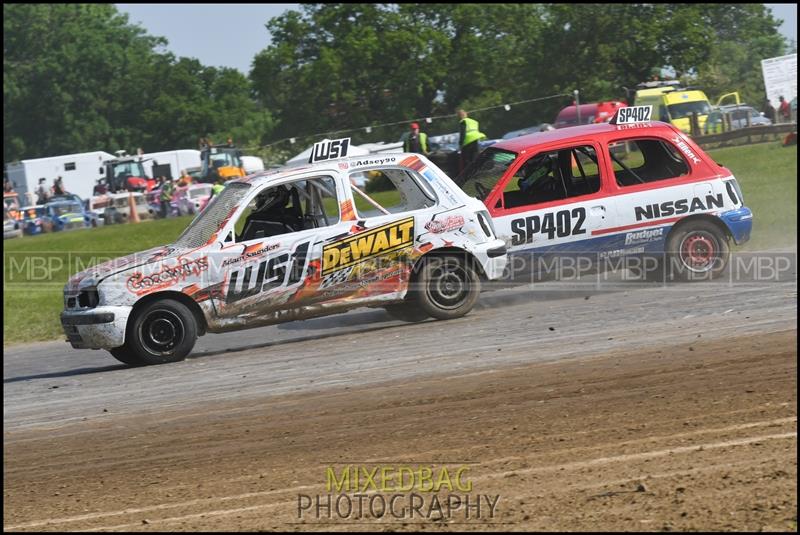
(97, 328)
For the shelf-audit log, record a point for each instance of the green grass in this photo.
(767, 174)
(35, 268)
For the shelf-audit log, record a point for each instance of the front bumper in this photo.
(739, 222)
(493, 258)
(95, 328)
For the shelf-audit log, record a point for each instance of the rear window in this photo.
(394, 189)
(640, 161)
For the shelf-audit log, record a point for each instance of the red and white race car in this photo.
(293, 243)
(629, 189)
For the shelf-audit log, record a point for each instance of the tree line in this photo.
(81, 77)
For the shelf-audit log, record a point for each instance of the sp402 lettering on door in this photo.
(551, 225)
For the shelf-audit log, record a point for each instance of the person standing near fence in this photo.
(42, 195)
(416, 141)
(165, 196)
(468, 137)
(769, 111)
(784, 112)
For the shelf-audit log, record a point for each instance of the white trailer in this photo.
(79, 172)
(252, 164)
(178, 160)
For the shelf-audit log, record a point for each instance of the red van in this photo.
(594, 112)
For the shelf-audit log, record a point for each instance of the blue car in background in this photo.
(69, 214)
(35, 220)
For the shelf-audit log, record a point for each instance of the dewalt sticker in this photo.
(368, 244)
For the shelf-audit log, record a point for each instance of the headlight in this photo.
(486, 223)
(88, 298)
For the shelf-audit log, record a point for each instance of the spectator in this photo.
(165, 196)
(185, 179)
(468, 137)
(793, 108)
(8, 186)
(42, 195)
(769, 111)
(416, 141)
(58, 186)
(784, 111)
(217, 187)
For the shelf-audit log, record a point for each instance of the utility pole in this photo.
(577, 105)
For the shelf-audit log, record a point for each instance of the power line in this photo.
(368, 128)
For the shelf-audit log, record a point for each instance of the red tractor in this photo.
(124, 173)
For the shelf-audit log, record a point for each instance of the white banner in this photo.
(780, 78)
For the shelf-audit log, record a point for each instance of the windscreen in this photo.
(686, 109)
(481, 176)
(61, 209)
(209, 221)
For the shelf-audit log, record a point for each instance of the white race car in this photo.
(293, 243)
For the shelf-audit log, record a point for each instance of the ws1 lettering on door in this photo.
(272, 272)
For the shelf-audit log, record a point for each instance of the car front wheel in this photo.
(160, 332)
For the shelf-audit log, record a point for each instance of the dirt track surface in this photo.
(653, 409)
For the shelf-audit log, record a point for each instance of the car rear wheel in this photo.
(446, 287)
(162, 331)
(697, 251)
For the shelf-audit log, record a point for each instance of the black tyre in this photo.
(697, 251)
(124, 355)
(162, 331)
(409, 311)
(650, 268)
(446, 287)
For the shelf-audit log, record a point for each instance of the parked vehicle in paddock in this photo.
(175, 203)
(293, 243)
(742, 116)
(573, 192)
(11, 204)
(11, 226)
(543, 127)
(35, 220)
(118, 210)
(67, 214)
(589, 113)
(195, 198)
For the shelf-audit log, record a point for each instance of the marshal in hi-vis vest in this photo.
(471, 132)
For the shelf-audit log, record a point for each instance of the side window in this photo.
(389, 191)
(739, 114)
(639, 161)
(292, 207)
(552, 176)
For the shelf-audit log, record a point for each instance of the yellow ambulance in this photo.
(673, 104)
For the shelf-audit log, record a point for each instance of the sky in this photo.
(230, 35)
(219, 35)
